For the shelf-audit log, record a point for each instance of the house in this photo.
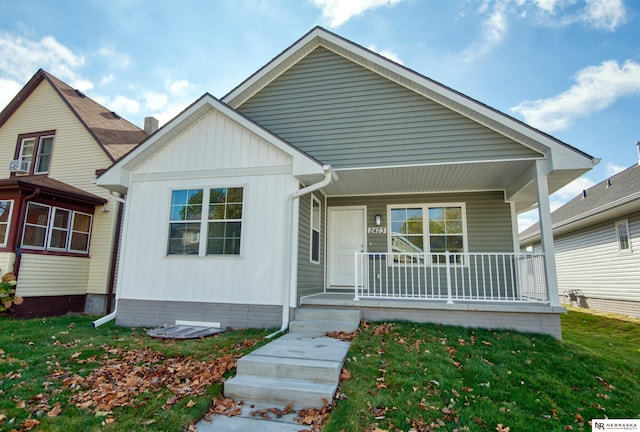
(58, 230)
(334, 177)
(597, 240)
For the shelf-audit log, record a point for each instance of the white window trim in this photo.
(3, 242)
(36, 158)
(49, 229)
(311, 230)
(425, 229)
(624, 222)
(204, 222)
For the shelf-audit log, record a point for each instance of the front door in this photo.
(346, 236)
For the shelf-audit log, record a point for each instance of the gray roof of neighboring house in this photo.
(115, 135)
(612, 192)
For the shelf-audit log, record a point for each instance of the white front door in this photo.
(346, 236)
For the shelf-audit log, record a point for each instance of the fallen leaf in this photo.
(345, 374)
(191, 403)
(501, 428)
(57, 409)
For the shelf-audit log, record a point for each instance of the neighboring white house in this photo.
(597, 241)
(336, 177)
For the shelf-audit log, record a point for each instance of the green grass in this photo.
(403, 376)
(41, 359)
(422, 376)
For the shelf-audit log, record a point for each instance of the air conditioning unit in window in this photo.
(19, 166)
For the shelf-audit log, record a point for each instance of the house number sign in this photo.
(376, 230)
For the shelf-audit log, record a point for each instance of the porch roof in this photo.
(516, 178)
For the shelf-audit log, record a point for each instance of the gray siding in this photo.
(310, 275)
(488, 217)
(348, 116)
(589, 260)
(149, 313)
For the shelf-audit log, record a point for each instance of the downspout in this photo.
(112, 315)
(114, 257)
(289, 268)
(25, 201)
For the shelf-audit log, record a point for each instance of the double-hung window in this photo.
(34, 151)
(314, 244)
(624, 240)
(56, 229)
(206, 221)
(6, 208)
(428, 229)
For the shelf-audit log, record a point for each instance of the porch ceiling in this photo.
(513, 177)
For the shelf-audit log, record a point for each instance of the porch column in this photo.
(546, 233)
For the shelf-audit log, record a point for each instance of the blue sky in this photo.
(568, 67)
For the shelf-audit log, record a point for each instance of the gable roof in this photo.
(117, 177)
(115, 135)
(567, 156)
(605, 200)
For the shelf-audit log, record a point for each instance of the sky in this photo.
(570, 68)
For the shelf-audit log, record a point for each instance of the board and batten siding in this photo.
(589, 260)
(76, 157)
(310, 274)
(52, 275)
(207, 155)
(348, 116)
(488, 217)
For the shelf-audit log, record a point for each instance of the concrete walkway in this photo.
(302, 368)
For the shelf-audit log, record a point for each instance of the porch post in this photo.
(546, 233)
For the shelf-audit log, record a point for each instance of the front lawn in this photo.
(61, 374)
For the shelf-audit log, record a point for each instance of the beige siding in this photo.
(589, 260)
(348, 116)
(6, 262)
(76, 156)
(49, 275)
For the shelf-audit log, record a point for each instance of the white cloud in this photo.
(115, 58)
(572, 190)
(8, 89)
(179, 87)
(605, 14)
(106, 79)
(494, 30)
(596, 88)
(155, 101)
(20, 58)
(122, 105)
(337, 12)
(81, 84)
(386, 53)
(613, 169)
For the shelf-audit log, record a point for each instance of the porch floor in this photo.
(346, 299)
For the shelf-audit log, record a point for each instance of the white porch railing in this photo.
(490, 277)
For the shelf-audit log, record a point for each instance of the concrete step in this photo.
(279, 391)
(314, 371)
(321, 327)
(324, 314)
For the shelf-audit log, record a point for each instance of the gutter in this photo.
(112, 315)
(288, 267)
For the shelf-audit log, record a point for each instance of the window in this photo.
(624, 241)
(36, 150)
(431, 229)
(6, 208)
(56, 229)
(222, 224)
(314, 243)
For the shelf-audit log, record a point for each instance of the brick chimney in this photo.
(150, 125)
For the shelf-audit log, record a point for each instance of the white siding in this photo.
(256, 277)
(589, 260)
(50, 275)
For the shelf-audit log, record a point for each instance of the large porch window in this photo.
(56, 229)
(428, 228)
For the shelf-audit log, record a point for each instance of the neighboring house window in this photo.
(56, 229)
(314, 253)
(624, 241)
(222, 221)
(427, 228)
(6, 208)
(36, 150)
